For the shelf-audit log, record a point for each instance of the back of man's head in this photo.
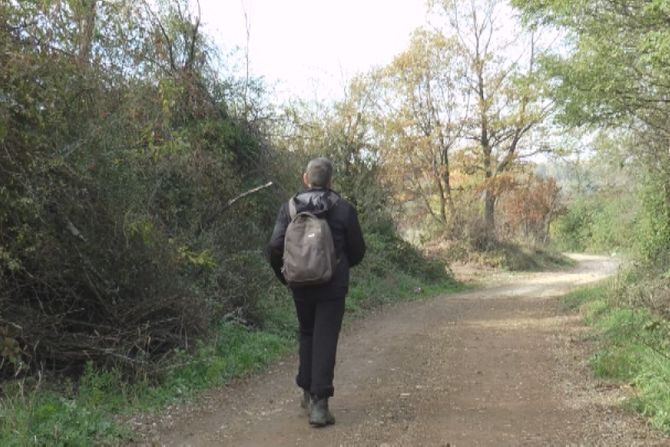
(319, 172)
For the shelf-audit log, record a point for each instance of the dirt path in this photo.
(500, 366)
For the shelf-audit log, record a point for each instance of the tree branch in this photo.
(244, 194)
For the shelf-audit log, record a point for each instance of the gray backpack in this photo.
(309, 251)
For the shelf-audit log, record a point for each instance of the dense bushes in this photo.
(653, 230)
(574, 231)
(116, 241)
(634, 221)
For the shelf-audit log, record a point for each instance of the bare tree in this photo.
(500, 77)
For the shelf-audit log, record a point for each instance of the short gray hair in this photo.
(319, 172)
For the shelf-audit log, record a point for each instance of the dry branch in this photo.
(244, 194)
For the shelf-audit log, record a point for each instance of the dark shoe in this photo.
(319, 415)
(306, 400)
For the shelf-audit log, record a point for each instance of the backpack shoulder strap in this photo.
(334, 202)
(291, 208)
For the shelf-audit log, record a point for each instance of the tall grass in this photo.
(634, 348)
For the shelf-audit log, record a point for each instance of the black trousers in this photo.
(320, 323)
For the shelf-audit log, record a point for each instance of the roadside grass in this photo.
(369, 294)
(87, 413)
(515, 257)
(634, 349)
(509, 256)
(92, 410)
(55, 418)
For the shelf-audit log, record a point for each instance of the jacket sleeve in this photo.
(355, 242)
(275, 249)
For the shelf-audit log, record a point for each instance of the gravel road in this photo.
(503, 365)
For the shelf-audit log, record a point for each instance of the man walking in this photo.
(320, 307)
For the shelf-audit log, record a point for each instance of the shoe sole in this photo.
(321, 424)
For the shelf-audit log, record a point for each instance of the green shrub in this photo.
(634, 348)
(599, 222)
(653, 229)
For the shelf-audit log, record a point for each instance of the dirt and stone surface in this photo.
(503, 365)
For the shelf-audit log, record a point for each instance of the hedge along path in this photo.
(502, 365)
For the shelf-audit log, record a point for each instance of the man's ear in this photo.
(305, 180)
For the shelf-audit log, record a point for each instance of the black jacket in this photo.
(347, 237)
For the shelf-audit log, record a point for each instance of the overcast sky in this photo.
(312, 47)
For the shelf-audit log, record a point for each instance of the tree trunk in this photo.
(446, 178)
(489, 213)
(489, 195)
(87, 28)
(443, 200)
